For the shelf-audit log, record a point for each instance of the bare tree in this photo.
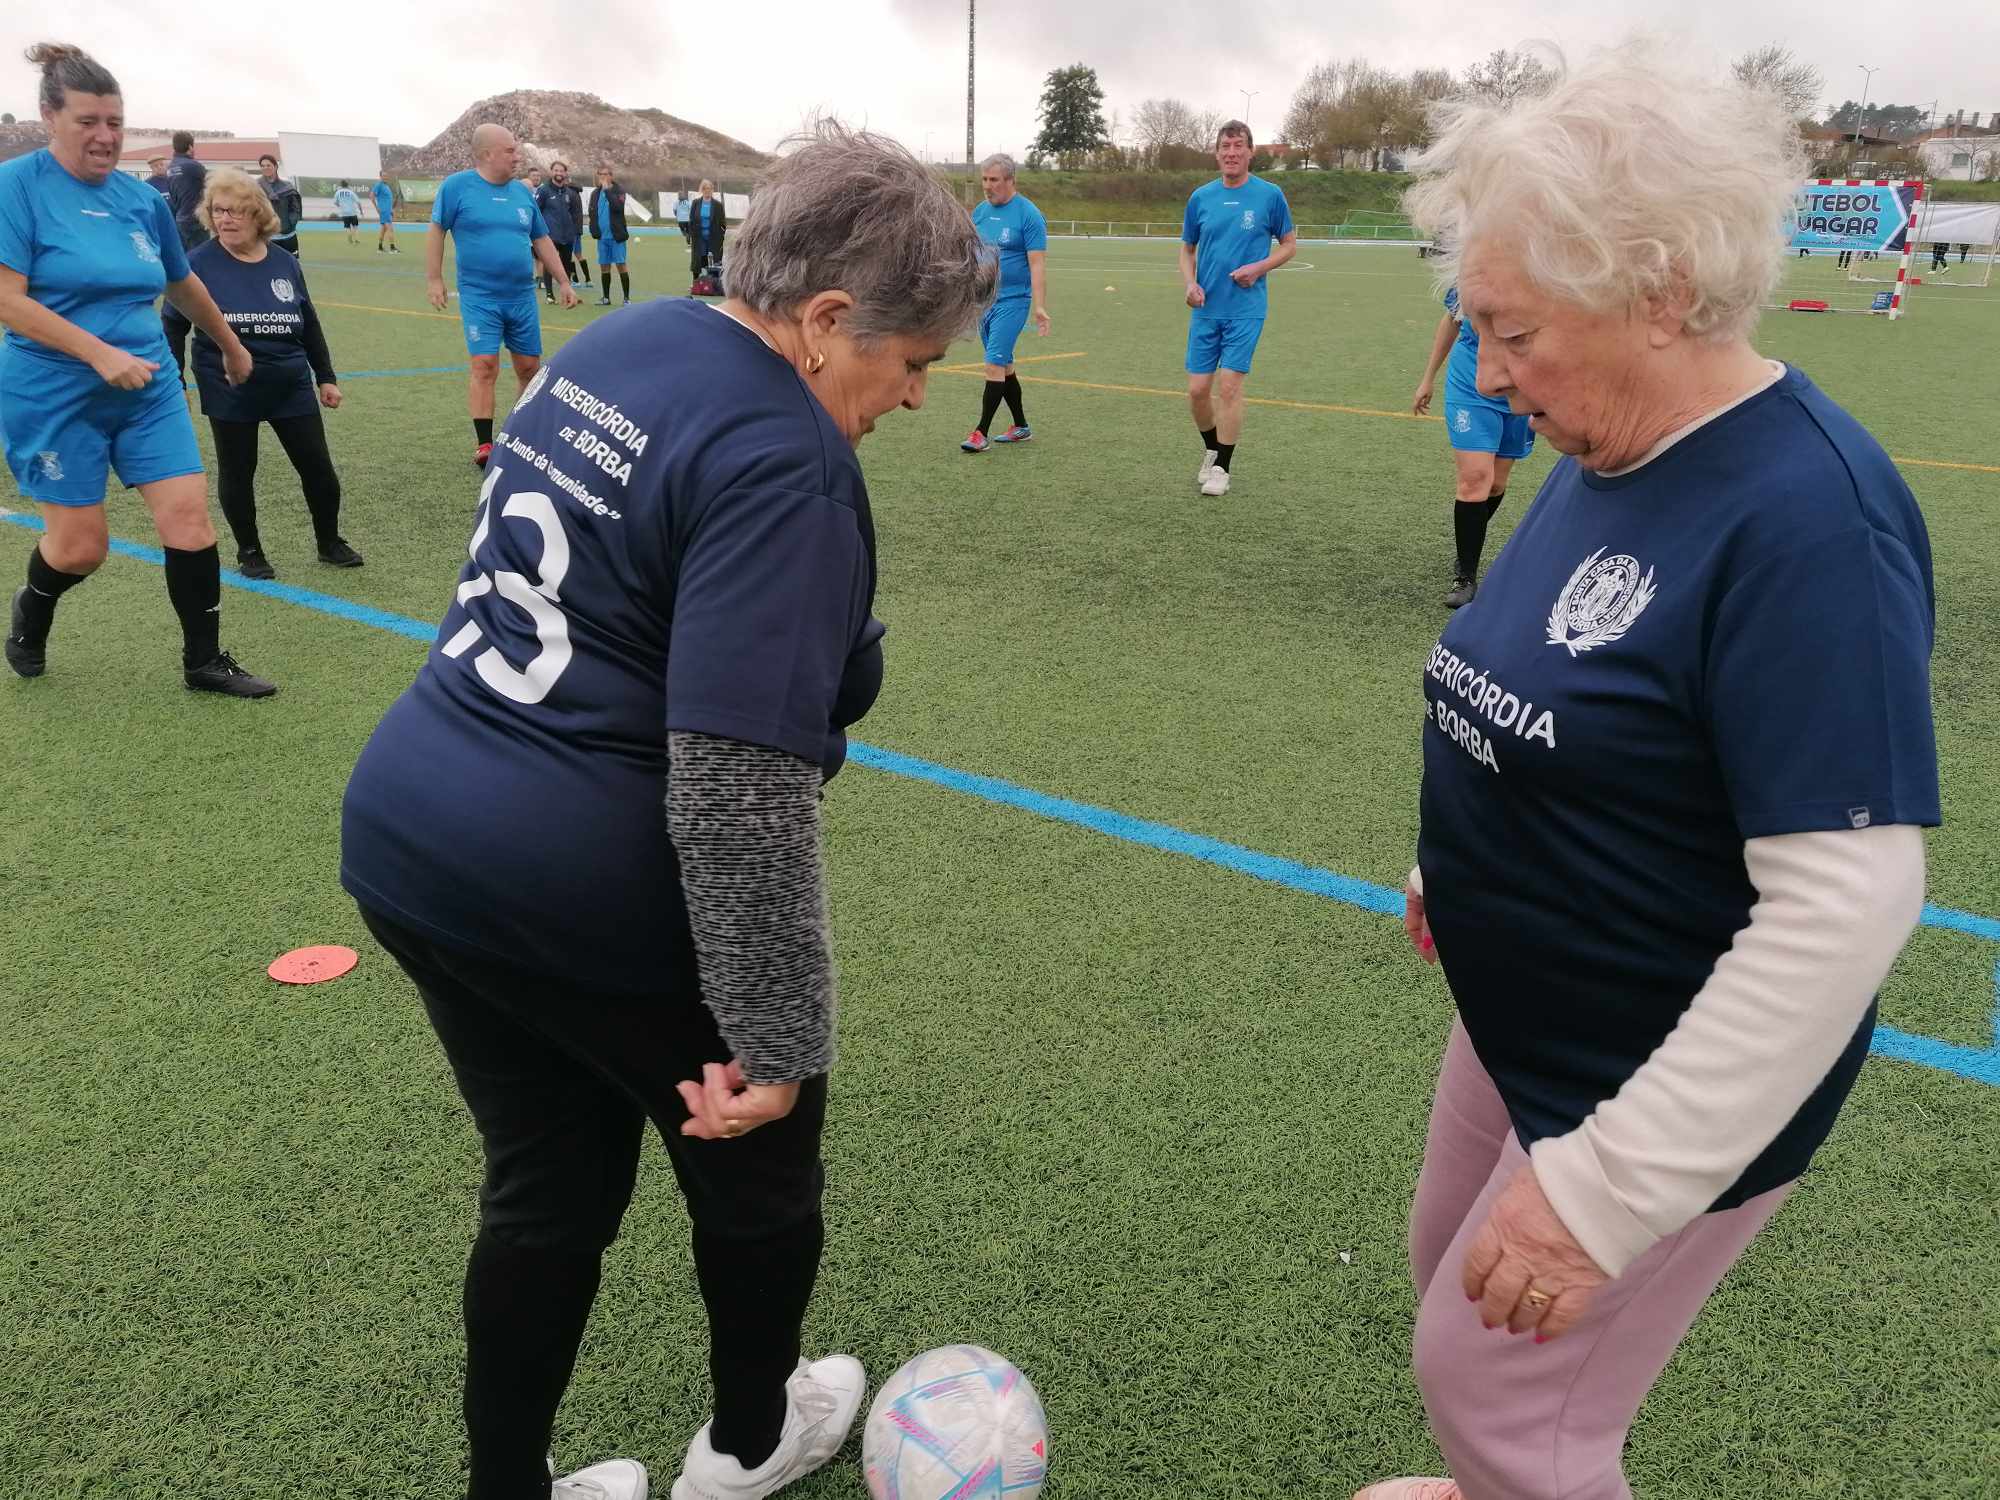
(1775, 70)
(1167, 122)
(1506, 75)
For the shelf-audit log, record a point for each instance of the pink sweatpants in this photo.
(1519, 1420)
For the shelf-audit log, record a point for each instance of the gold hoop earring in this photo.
(813, 365)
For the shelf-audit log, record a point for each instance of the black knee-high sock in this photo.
(1468, 524)
(1493, 503)
(989, 403)
(1208, 438)
(1223, 453)
(45, 586)
(606, 274)
(525, 1312)
(1011, 388)
(624, 284)
(194, 584)
(482, 429)
(756, 1291)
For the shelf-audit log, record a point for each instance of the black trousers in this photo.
(700, 251)
(304, 441)
(561, 1082)
(288, 242)
(568, 265)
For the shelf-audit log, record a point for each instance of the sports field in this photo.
(1108, 1102)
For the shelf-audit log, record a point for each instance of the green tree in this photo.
(1072, 114)
(6, 119)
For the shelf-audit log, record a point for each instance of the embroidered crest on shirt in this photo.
(1249, 218)
(145, 249)
(281, 288)
(533, 387)
(1006, 236)
(1599, 603)
(524, 216)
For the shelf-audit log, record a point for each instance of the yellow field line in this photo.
(1153, 390)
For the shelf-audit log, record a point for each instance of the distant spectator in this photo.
(607, 223)
(285, 202)
(385, 218)
(579, 277)
(186, 180)
(1939, 252)
(681, 212)
(158, 181)
(706, 226)
(556, 198)
(1962, 249)
(347, 207)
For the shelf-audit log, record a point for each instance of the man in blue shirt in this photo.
(499, 235)
(1225, 254)
(1019, 235)
(186, 178)
(385, 215)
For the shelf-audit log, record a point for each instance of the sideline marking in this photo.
(1979, 1065)
(1032, 359)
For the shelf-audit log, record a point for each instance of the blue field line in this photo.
(1981, 1065)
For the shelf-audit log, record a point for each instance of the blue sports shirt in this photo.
(657, 547)
(603, 216)
(1013, 229)
(97, 254)
(345, 203)
(1462, 369)
(385, 199)
(493, 229)
(1231, 227)
(1730, 642)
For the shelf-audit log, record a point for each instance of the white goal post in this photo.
(1970, 235)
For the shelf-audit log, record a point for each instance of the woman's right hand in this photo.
(127, 372)
(1418, 926)
(1420, 404)
(722, 1106)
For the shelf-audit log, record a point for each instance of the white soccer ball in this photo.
(1111, 289)
(958, 1422)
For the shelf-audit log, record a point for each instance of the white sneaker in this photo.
(614, 1479)
(1207, 463)
(1215, 482)
(821, 1401)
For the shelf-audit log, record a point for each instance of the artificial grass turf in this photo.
(1111, 1112)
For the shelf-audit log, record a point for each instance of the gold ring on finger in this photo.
(1536, 1298)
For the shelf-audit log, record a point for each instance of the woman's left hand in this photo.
(329, 396)
(236, 363)
(1524, 1268)
(722, 1106)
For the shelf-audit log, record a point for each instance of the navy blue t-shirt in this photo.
(1731, 642)
(266, 303)
(657, 547)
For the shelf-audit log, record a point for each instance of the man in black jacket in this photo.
(285, 201)
(557, 201)
(607, 224)
(706, 227)
(187, 179)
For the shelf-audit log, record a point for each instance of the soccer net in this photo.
(1954, 247)
(1846, 233)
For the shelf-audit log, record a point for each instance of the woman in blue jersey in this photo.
(86, 386)
(1486, 439)
(262, 294)
(589, 831)
(1676, 766)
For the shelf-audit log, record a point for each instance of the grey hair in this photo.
(1001, 160)
(854, 212)
(64, 68)
(1631, 177)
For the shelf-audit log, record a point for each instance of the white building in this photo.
(1961, 158)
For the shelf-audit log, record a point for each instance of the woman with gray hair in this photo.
(589, 831)
(1676, 761)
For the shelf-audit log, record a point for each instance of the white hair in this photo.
(1000, 160)
(1629, 177)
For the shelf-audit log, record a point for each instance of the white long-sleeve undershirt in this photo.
(1833, 910)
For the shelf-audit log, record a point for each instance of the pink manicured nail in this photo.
(1541, 1338)
(1470, 1298)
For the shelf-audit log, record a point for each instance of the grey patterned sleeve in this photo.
(744, 820)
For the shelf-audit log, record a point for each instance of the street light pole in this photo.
(1867, 77)
(1248, 95)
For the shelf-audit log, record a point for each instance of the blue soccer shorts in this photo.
(1475, 424)
(610, 253)
(65, 430)
(1000, 329)
(1227, 342)
(513, 323)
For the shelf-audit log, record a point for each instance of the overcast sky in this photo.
(402, 72)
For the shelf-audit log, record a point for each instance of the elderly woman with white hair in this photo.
(589, 832)
(1676, 761)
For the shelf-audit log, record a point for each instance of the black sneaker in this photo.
(1463, 590)
(26, 658)
(251, 563)
(550, 298)
(337, 554)
(223, 676)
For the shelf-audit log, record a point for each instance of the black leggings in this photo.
(560, 1083)
(568, 265)
(304, 441)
